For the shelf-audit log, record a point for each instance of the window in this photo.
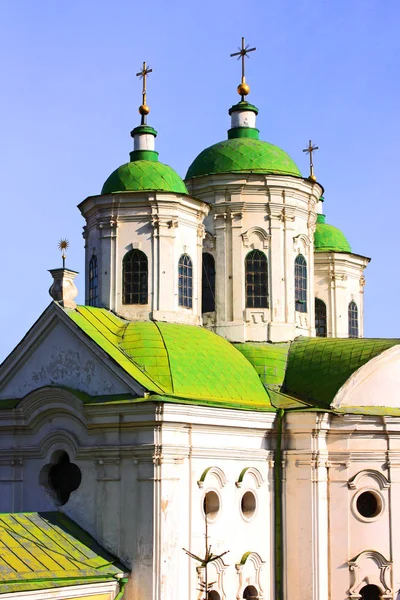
(300, 283)
(185, 281)
(135, 278)
(64, 478)
(93, 282)
(320, 318)
(256, 267)
(353, 320)
(211, 505)
(370, 592)
(248, 505)
(250, 593)
(208, 283)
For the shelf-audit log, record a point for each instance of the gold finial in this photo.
(144, 109)
(310, 151)
(63, 245)
(243, 88)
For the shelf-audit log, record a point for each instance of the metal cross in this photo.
(143, 74)
(243, 52)
(310, 151)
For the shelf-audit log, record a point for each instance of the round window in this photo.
(248, 505)
(211, 505)
(369, 504)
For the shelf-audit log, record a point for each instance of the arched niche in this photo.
(359, 480)
(249, 573)
(250, 474)
(256, 238)
(213, 473)
(370, 568)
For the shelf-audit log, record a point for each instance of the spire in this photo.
(144, 135)
(243, 115)
(311, 148)
(63, 288)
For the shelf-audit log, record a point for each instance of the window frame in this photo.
(137, 276)
(93, 286)
(253, 280)
(300, 283)
(318, 318)
(185, 281)
(353, 322)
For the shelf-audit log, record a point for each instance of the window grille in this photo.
(320, 318)
(185, 281)
(208, 283)
(300, 283)
(353, 320)
(256, 268)
(135, 278)
(93, 282)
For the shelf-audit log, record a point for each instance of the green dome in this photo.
(328, 238)
(243, 154)
(144, 175)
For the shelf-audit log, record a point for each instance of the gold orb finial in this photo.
(243, 89)
(144, 109)
(312, 177)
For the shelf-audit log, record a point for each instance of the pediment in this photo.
(56, 353)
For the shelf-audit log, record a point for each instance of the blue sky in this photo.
(324, 69)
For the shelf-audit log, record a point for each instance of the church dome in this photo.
(243, 154)
(144, 175)
(328, 238)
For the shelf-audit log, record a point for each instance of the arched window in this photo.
(93, 282)
(300, 283)
(250, 593)
(320, 318)
(185, 281)
(256, 280)
(353, 320)
(370, 592)
(208, 283)
(134, 278)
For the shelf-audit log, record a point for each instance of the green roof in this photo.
(269, 360)
(156, 355)
(144, 175)
(328, 238)
(245, 155)
(48, 550)
(318, 367)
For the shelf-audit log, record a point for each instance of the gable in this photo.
(52, 354)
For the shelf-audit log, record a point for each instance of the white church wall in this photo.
(275, 215)
(163, 226)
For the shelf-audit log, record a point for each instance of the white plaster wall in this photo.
(277, 216)
(163, 226)
(61, 359)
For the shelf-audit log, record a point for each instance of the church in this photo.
(211, 423)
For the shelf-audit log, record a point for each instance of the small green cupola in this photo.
(328, 238)
(144, 172)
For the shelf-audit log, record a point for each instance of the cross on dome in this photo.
(311, 148)
(243, 89)
(144, 109)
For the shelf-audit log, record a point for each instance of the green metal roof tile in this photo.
(269, 361)
(144, 175)
(318, 367)
(45, 550)
(242, 155)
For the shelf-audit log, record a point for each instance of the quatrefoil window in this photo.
(61, 478)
